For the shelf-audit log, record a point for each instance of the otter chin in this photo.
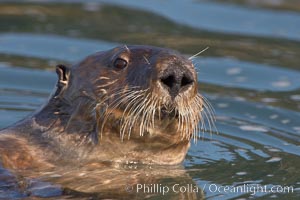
(131, 103)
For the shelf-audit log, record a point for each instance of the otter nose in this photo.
(176, 80)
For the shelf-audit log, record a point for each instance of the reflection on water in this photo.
(57, 47)
(250, 74)
(288, 5)
(124, 25)
(219, 17)
(104, 181)
(238, 74)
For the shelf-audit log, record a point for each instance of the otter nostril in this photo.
(186, 81)
(176, 82)
(168, 81)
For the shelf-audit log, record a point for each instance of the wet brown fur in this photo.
(100, 113)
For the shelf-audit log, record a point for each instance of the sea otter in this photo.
(131, 103)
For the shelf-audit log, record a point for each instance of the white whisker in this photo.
(146, 60)
(198, 53)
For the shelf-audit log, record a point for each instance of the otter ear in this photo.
(63, 74)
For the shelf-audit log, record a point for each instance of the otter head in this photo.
(138, 92)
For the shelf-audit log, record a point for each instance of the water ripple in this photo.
(50, 46)
(223, 17)
(241, 74)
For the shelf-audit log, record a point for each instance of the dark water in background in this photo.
(250, 74)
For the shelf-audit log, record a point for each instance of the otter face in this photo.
(142, 90)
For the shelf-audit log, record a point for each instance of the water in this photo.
(250, 74)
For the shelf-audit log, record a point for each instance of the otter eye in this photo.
(120, 63)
